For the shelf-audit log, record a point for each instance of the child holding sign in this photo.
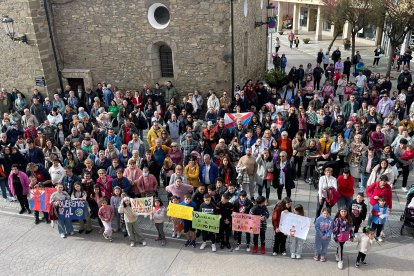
(225, 209)
(177, 223)
(260, 209)
(296, 244)
(159, 216)
(106, 214)
(280, 239)
(210, 208)
(188, 224)
(131, 222)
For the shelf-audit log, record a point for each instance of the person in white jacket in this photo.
(326, 181)
(213, 102)
(365, 241)
(383, 168)
(57, 172)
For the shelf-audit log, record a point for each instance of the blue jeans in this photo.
(370, 207)
(321, 246)
(345, 201)
(4, 187)
(363, 182)
(65, 226)
(266, 186)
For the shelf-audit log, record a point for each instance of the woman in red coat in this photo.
(285, 144)
(379, 189)
(345, 188)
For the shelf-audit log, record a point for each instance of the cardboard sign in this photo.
(180, 211)
(142, 206)
(246, 223)
(206, 222)
(40, 199)
(72, 209)
(294, 225)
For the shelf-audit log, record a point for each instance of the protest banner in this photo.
(246, 223)
(206, 222)
(294, 225)
(142, 206)
(40, 199)
(72, 209)
(180, 211)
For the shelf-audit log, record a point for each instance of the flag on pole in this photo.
(231, 118)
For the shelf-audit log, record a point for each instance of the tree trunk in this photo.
(353, 35)
(390, 56)
(336, 34)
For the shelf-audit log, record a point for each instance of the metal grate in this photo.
(167, 68)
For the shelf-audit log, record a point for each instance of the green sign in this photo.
(206, 222)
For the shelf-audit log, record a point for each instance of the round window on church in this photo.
(158, 16)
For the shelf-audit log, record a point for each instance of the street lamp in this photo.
(8, 24)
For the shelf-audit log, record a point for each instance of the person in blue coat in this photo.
(112, 137)
(208, 171)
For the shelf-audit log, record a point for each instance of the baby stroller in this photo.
(319, 171)
(408, 217)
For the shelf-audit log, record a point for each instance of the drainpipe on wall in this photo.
(267, 36)
(52, 40)
(232, 47)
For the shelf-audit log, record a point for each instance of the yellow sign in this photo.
(180, 211)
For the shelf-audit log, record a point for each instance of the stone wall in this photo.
(21, 63)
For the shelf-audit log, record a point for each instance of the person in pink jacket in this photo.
(105, 183)
(19, 187)
(133, 173)
(147, 183)
(179, 189)
(106, 214)
(377, 138)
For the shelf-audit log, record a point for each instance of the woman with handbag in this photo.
(265, 173)
(325, 182)
(284, 175)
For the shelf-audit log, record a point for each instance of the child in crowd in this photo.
(358, 211)
(260, 209)
(106, 214)
(220, 188)
(79, 194)
(115, 202)
(324, 228)
(177, 223)
(242, 205)
(159, 216)
(189, 231)
(225, 209)
(379, 217)
(232, 193)
(365, 241)
(95, 204)
(342, 232)
(131, 222)
(209, 207)
(296, 244)
(279, 246)
(121, 216)
(198, 196)
(212, 191)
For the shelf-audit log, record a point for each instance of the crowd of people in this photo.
(90, 145)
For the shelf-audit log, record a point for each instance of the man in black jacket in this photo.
(317, 76)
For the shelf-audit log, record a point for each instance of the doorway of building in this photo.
(75, 82)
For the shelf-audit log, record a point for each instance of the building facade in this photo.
(129, 43)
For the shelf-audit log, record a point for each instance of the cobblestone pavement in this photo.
(26, 249)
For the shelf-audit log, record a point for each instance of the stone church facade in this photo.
(131, 42)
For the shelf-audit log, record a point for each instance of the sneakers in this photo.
(132, 244)
(293, 256)
(380, 239)
(174, 235)
(316, 258)
(72, 233)
(63, 236)
(237, 248)
(337, 257)
(29, 211)
(274, 254)
(213, 247)
(263, 249)
(193, 243)
(144, 243)
(255, 248)
(178, 235)
(323, 259)
(364, 263)
(105, 236)
(203, 245)
(284, 253)
(404, 189)
(298, 256)
(187, 243)
(357, 264)
(248, 248)
(340, 264)
(37, 221)
(110, 239)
